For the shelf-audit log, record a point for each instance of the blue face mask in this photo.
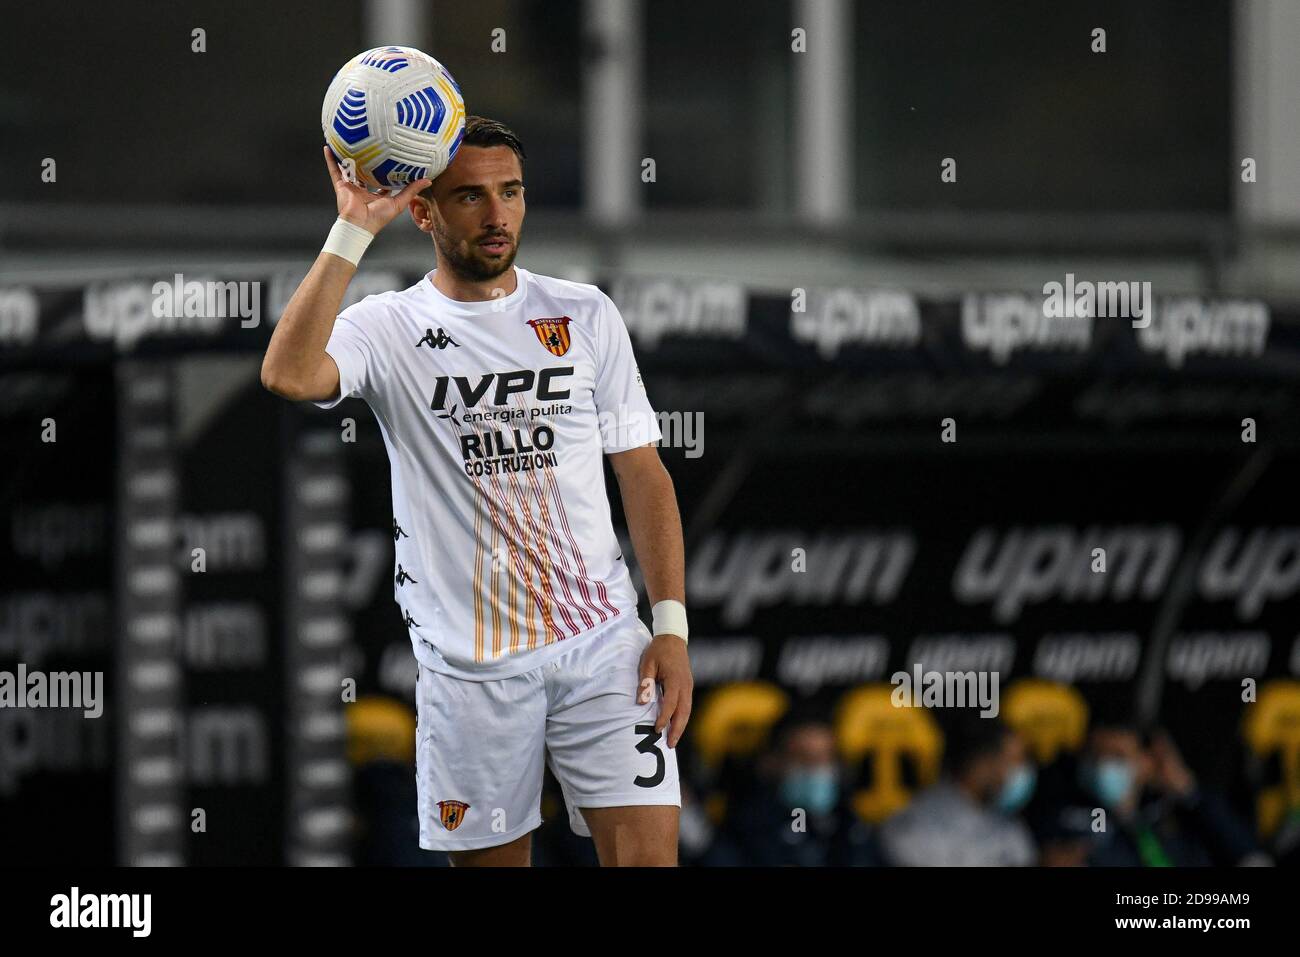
(817, 791)
(1110, 780)
(1018, 788)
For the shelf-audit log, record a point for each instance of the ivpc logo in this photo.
(541, 384)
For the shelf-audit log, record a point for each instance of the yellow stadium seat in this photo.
(734, 721)
(868, 725)
(380, 729)
(1271, 726)
(1050, 716)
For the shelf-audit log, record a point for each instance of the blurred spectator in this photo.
(966, 818)
(381, 749)
(554, 843)
(1286, 842)
(799, 772)
(388, 828)
(695, 831)
(1156, 813)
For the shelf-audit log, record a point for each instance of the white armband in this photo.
(347, 240)
(669, 618)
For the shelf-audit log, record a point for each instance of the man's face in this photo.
(477, 212)
(810, 777)
(1115, 756)
(1001, 765)
(1116, 743)
(1014, 753)
(810, 748)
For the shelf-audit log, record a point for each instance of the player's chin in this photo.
(494, 264)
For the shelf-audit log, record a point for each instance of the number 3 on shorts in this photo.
(650, 743)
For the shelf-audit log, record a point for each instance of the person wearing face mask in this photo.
(969, 818)
(798, 815)
(1156, 813)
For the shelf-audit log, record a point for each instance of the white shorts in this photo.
(480, 745)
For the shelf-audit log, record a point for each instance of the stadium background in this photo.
(780, 178)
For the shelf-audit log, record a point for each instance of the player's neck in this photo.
(467, 290)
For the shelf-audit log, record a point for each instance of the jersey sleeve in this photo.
(354, 347)
(626, 418)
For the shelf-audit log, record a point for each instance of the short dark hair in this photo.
(481, 131)
(969, 738)
(801, 715)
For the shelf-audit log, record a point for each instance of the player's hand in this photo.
(665, 661)
(359, 206)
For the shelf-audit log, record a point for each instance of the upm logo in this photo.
(1026, 566)
(124, 313)
(656, 309)
(748, 571)
(541, 384)
(1253, 567)
(18, 316)
(1004, 324)
(836, 317)
(1188, 326)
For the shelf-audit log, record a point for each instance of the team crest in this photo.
(552, 333)
(452, 813)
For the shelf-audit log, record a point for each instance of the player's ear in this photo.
(421, 212)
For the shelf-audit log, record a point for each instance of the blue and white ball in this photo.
(394, 115)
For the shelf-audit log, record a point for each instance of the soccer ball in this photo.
(393, 115)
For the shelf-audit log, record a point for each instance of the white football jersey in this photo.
(496, 416)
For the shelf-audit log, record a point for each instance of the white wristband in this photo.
(669, 618)
(347, 240)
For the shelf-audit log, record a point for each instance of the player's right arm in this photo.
(296, 364)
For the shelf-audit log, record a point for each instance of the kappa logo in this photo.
(553, 333)
(439, 341)
(452, 813)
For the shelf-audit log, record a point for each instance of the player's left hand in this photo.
(665, 661)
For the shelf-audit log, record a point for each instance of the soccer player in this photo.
(498, 392)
